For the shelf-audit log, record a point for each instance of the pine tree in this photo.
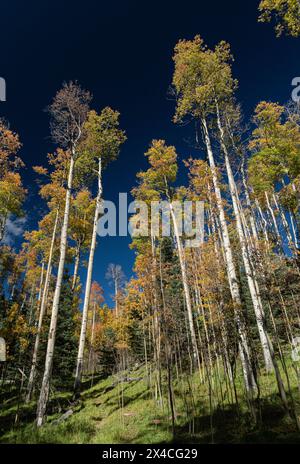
(66, 338)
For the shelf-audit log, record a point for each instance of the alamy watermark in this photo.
(2, 90)
(184, 219)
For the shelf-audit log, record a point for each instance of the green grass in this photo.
(101, 418)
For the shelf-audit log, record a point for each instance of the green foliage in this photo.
(107, 352)
(276, 148)
(163, 171)
(201, 77)
(102, 139)
(285, 13)
(66, 338)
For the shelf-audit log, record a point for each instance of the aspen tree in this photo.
(68, 111)
(163, 170)
(54, 192)
(193, 98)
(12, 192)
(101, 145)
(285, 13)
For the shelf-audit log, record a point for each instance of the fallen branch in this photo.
(62, 418)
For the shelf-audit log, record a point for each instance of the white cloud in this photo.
(14, 228)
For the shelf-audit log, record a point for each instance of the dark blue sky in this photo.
(122, 52)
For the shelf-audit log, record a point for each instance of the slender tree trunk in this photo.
(156, 326)
(41, 314)
(41, 282)
(185, 285)
(284, 222)
(252, 284)
(116, 296)
(3, 219)
(294, 229)
(79, 365)
(248, 202)
(76, 268)
(44, 394)
(244, 348)
(267, 346)
(92, 337)
(264, 221)
(270, 209)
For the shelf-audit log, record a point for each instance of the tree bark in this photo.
(41, 315)
(277, 233)
(252, 283)
(44, 393)
(185, 285)
(76, 268)
(244, 348)
(116, 296)
(3, 220)
(79, 365)
(41, 282)
(92, 339)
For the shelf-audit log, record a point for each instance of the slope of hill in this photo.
(123, 409)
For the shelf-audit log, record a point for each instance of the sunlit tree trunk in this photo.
(294, 229)
(76, 268)
(249, 205)
(44, 393)
(156, 326)
(244, 348)
(80, 356)
(284, 222)
(270, 209)
(185, 283)
(252, 284)
(92, 338)
(41, 313)
(3, 219)
(41, 282)
(264, 223)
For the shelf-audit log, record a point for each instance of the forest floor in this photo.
(114, 412)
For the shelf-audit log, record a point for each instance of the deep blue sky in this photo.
(122, 52)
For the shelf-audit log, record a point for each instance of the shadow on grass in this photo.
(16, 417)
(224, 427)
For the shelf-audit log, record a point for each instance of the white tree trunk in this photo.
(249, 206)
(79, 365)
(284, 222)
(264, 223)
(244, 349)
(41, 314)
(76, 268)
(185, 285)
(294, 229)
(252, 284)
(270, 209)
(92, 337)
(3, 220)
(44, 393)
(156, 332)
(41, 282)
(268, 351)
(116, 296)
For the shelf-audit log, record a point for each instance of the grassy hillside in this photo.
(115, 411)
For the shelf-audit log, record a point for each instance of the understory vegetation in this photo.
(122, 409)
